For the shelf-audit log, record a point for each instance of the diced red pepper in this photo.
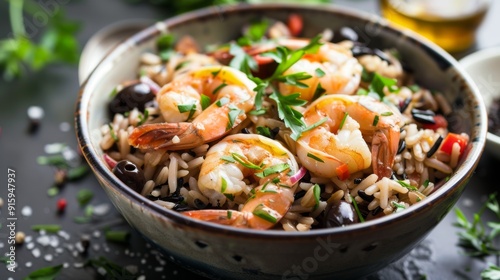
(440, 122)
(343, 172)
(451, 139)
(61, 205)
(295, 24)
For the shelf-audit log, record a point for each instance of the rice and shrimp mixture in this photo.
(276, 131)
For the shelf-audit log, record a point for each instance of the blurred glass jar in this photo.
(451, 24)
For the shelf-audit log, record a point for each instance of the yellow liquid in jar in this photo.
(454, 33)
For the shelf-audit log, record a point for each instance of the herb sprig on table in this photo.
(33, 46)
(478, 237)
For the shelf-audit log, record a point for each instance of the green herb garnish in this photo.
(47, 228)
(205, 101)
(278, 168)
(264, 131)
(191, 108)
(262, 212)
(112, 132)
(46, 273)
(406, 185)
(244, 161)
(375, 120)
(355, 204)
(233, 114)
(143, 117)
(120, 236)
(221, 102)
(113, 270)
(223, 186)
(343, 120)
(317, 193)
(318, 92)
(219, 87)
(314, 157)
(319, 73)
(84, 196)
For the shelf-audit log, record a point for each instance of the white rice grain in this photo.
(438, 165)
(195, 163)
(148, 187)
(455, 154)
(182, 173)
(134, 159)
(172, 174)
(162, 176)
(384, 192)
(368, 181)
(166, 204)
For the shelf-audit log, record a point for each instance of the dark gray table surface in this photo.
(55, 90)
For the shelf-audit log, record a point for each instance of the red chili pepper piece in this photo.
(343, 172)
(61, 205)
(452, 138)
(439, 122)
(295, 24)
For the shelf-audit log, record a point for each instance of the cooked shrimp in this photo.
(339, 147)
(333, 67)
(187, 125)
(257, 159)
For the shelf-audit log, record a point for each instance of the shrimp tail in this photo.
(384, 152)
(161, 136)
(221, 217)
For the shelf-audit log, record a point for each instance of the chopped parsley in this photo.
(219, 88)
(143, 117)
(233, 114)
(278, 168)
(52, 228)
(264, 131)
(375, 120)
(406, 185)
(245, 162)
(318, 92)
(319, 73)
(205, 101)
(356, 208)
(343, 120)
(316, 192)
(221, 102)
(223, 186)
(191, 108)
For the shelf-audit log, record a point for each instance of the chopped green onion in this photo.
(319, 73)
(142, 118)
(355, 204)
(182, 64)
(191, 108)
(47, 228)
(223, 186)
(113, 92)
(385, 114)
(414, 88)
(343, 120)
(278, 168)
(314, 157)
(53, 191)
(229, 214)
(375, 120)
(112, 132)
(426, 183)
(260, 211)
(244, 161)
(316, 192)
(165, 42)
(81, 220)
(215, 73)
(362, 91)
(229, 196)
(316, 124)
(399, 207)
(117, 235)
(406, 185)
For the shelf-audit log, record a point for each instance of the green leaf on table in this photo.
(84, 196)
(46, 273)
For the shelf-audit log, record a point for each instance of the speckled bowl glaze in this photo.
(336, 253)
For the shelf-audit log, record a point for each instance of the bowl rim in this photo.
(476, 58)
(103, 173)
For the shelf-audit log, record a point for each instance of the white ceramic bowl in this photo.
(484, 68)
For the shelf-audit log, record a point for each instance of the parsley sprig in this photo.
(57, 43)
(285, 58)
(477, 237)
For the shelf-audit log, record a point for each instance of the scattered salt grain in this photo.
(63, 234)
(79, 247)
(78, 265)
(35, 113)
(26, 211)
(48, 257)
(65, 265)
(143, 261)
(159, 269)
(1, 245)
(30, 246)
(1, 202)
(28, 239)
(28, 264)
(176, 139)
(101, 209)
(101, 270)
(54, 148)
(59, 250)
(54, 242)
(71, 157)
(35, 252)
(64, 126)
(175, 272)
(96, 234)
(43, 240)
(96, 247)
(142, 277)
